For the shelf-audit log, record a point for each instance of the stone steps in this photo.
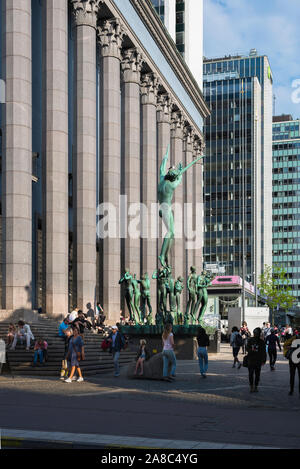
(96, 360)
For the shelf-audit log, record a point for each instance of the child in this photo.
(142, 355)
(39, 351)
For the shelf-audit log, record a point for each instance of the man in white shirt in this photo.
(23, 334)
(73, 315)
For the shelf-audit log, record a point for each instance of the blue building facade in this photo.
(286, 200)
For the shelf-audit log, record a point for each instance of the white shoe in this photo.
(80, 380)
(68, 380)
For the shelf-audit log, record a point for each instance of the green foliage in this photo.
(274, 286)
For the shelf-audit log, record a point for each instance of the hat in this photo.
(114, 327)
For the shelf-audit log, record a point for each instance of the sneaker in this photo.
(68, 380)
(252, 388)
(239, 366)
(79, 380)
(204, 375)
(255, 389)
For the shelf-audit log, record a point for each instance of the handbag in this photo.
(245, 361)
(289, 353)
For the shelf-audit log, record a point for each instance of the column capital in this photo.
(85, 12)
(188, 137)
(177, 124)
(149, 88)
(131, 65)
(164, 106)
(110, 37)
(198, 145)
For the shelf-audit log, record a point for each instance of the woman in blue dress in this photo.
(75, 355)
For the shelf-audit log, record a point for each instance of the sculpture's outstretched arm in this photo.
(183, 170)
(163, 165)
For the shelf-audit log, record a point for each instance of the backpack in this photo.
(105, 344)
(238, 341)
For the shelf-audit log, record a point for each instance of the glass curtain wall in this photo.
(228, 188)
(286, 201)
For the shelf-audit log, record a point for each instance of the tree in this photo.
(274, 287)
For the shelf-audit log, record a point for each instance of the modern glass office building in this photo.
(238, 164)
(184, 22)
(286, 199)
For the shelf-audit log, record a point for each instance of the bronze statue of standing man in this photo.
(167, 184)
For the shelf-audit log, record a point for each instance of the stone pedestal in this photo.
(186, 345)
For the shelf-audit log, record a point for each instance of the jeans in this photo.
(273, 356)
(22, 338)
(293, 368)
(38, 354)
(116, 356)
(169, 358)
(254, 369)
(203, 360)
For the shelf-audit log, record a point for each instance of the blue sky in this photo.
(270, 26)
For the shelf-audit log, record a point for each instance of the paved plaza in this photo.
(215, 412)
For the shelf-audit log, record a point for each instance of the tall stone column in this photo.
(188, 192)
(84, 163)
(131, 186)
(110, 35)
(17, 156)
(177, 123)
(164, 104)
(149, 88)
(198, 149)
(55, 154)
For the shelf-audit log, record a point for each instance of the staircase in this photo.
(96, 360)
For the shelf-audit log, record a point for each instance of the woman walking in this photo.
(168, 353)
(236, 343)
(257, 357)
(203, 343)
(75, 355)
(245, 333)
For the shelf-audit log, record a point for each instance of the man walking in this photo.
(272, 341)
(117, 343)
(257, 357)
